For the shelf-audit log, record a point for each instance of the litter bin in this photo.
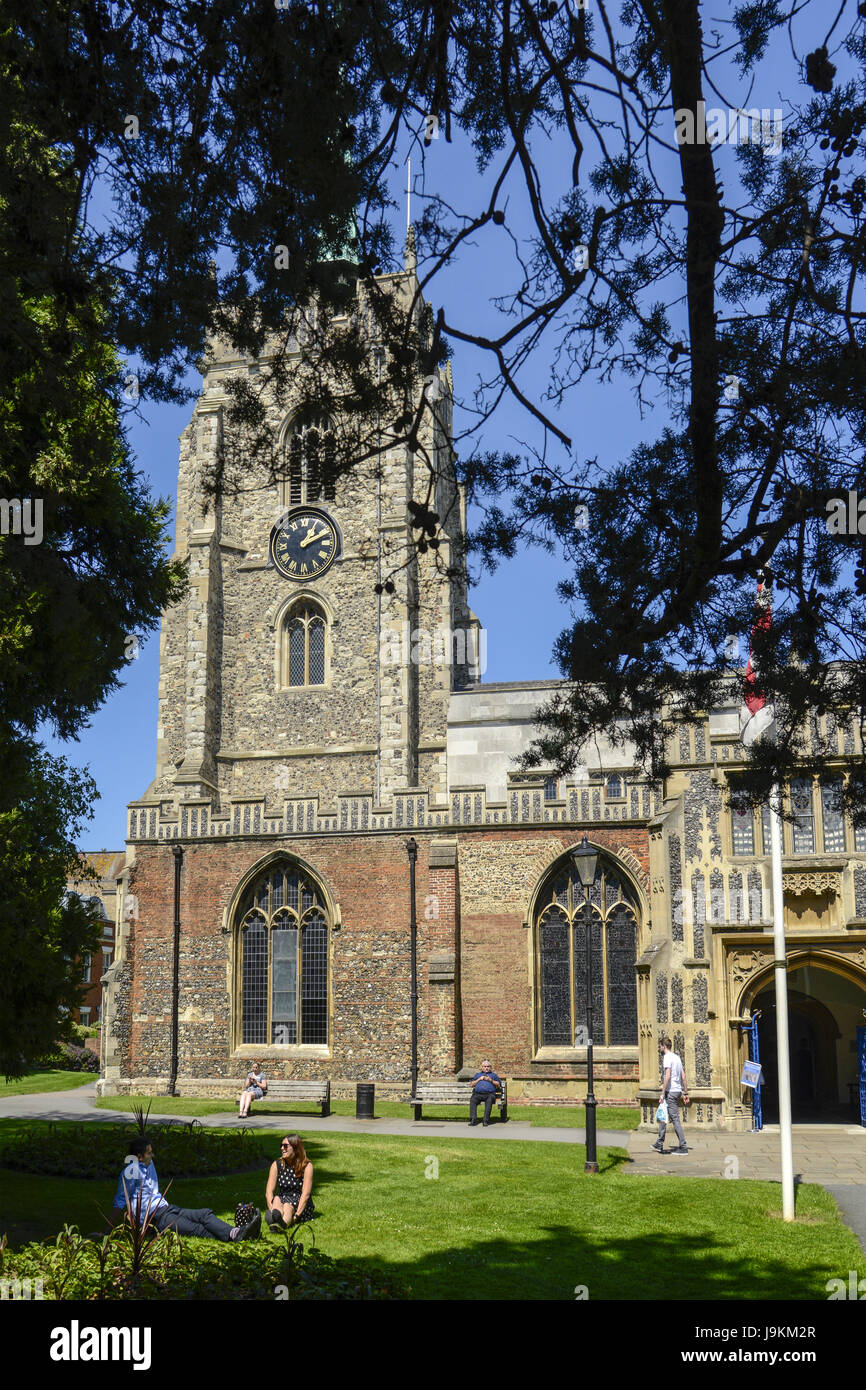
(364, 1098)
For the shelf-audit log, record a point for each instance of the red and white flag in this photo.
(756, 715)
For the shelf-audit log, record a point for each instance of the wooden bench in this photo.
(310, 1092)
(452, 1093)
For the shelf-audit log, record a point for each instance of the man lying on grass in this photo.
(138, 1187)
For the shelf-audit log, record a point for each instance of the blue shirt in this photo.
(483, 1081)
(136, 1177)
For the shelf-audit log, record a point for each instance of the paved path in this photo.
(851, 1201)
(827, 1154)
(78, 1106)
(833, 1155)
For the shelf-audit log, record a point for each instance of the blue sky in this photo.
(517, 605)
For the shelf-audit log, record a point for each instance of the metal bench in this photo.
(452, 1093)
(310, 1092)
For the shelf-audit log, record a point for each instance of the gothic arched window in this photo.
(560, 936)
(310, 469)
(303, 645)
(282, 927)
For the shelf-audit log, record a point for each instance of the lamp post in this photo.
(586, 862)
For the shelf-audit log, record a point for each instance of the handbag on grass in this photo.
(662, 1112)
(244, 1213)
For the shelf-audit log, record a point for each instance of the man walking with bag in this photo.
(674, 1090)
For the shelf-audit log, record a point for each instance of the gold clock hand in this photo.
(308, 540)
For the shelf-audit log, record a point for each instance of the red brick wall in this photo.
(370, 975)
(499, 873)
(485, 1010)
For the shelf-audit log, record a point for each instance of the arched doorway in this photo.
(825, 1009)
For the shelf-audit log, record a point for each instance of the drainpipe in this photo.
(412, 851)
(177, 851)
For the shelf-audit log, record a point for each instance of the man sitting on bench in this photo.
(485, 1084)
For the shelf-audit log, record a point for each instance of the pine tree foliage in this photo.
(711, 262)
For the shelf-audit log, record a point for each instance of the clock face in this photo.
(305, 544)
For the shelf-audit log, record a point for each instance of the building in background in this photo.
(108, 864)
(308, 726)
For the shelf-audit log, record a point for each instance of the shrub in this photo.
(118, 1268)
(80, 1031)
(69, 1057)
(96, 1150)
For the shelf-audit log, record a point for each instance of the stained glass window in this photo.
(561, 960)
(284, 961)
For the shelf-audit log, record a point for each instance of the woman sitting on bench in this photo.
(255, 1089)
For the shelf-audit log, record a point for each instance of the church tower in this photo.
(284, 671)
(304, 693)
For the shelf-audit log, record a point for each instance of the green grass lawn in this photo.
(463, 1219)
(557, 1116)
(39, 1081)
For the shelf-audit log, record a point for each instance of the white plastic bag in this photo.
(662, 1112)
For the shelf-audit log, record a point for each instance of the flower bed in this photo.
(127, 1266)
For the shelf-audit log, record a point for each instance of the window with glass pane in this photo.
(305, 637)
(614, 788)
(803, 830)
(860, 838)
(314, 980)
(297, 652)
(317, 651)
(766, 833)
(834, 821)
(555, 974)
(561, 961)
(255, 981)
(742, 830)
(551, 789)
(284, 981)
(284, 973)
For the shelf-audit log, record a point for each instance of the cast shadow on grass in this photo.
(562, 1266)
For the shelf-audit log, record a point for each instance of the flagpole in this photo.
(780, 965)
(757, 718)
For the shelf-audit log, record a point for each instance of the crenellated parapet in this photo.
(414, 809)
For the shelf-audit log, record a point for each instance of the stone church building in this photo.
(308, 726)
